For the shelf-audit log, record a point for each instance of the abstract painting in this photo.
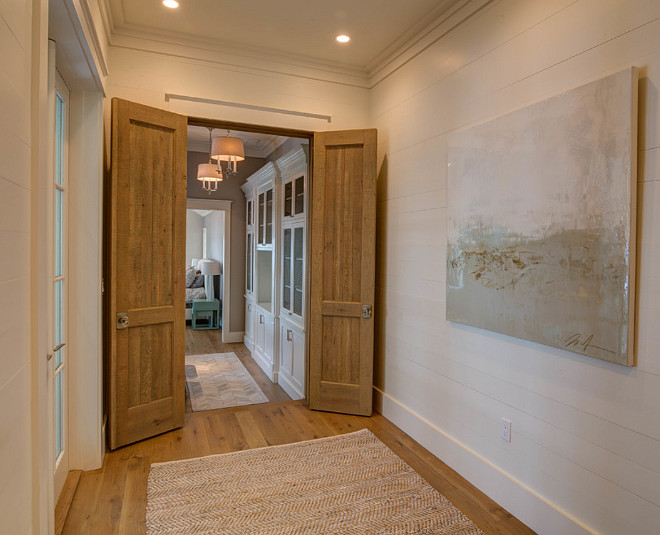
(541, 221)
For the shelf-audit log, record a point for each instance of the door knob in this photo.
(122, 320)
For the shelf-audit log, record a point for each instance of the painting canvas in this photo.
(541, 221)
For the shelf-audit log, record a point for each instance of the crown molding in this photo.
(411, 45)
(94, 40)
(242, 58)
(441, 11)
(444, 18)
(269, 148)
(293, 162)
(106, 18)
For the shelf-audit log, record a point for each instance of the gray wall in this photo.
(194, 225)
(215, 235)
(229, 189)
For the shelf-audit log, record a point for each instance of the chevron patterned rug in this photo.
(348, 484)
(218, 381)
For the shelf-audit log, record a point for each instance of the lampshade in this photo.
(228, 148)
(208, 172)
(209, 267)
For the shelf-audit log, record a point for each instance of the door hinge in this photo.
(102, 286)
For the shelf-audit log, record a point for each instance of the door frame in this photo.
(225, 206)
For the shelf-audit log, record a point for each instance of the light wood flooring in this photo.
(113, 499)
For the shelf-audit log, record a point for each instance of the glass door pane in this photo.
(261, 219)
(269, 216)
(59, 283)
(288, 199)
(286, 270)
(300, 195)
(298, 241)
(248, 267)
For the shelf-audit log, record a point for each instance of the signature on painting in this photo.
(577, 340)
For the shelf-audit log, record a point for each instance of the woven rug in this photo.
(349, 484)
(218, 381)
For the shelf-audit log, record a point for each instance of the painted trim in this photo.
(90, 31)
(225, 205)
(443, 19)
(446, 22)
(234, 337)
(85, 232)
(524, 503)
(287, 384)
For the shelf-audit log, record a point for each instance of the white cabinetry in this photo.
(275, 263)
(293, 169)
(261, 192)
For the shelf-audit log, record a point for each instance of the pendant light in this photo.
(228, 149)
(208, 173)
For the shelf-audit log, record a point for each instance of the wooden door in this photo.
(145, 323)
(342, 275)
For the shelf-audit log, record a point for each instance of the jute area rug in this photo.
(218, 381)
(349, 484)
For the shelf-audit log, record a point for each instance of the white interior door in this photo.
(59, 282)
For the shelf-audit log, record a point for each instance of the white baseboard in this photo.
(232, 337)
(289, 386)
(264, 364)
(529, 507)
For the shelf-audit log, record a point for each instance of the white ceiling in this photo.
(256, 145)
(288, 28)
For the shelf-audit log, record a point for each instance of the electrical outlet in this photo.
(505, 431)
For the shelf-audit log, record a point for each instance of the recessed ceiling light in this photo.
(170, 3)
(343, 38)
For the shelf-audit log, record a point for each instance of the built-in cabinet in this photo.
(276, 208)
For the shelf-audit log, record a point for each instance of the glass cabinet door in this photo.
(248, 262)
(298, 264)
(293, 262)
(299, 207)
(269, 217)
(248, 211)
(286, 270)
(260, 218)
(288, 199)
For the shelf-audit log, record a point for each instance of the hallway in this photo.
(112, 500)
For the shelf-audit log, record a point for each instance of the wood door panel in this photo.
(342, 271)
(339, 397)
(341, 347)
(343, 222)
(149, 368)
(145, 270)
(151, 212)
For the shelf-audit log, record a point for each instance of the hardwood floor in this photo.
(113, 499)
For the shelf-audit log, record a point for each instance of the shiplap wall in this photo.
(15, 142)
(146, 76)
(585, 449)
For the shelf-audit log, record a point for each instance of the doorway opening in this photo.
(256, 303)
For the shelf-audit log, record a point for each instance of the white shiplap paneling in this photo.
(586, 434)
(15, 415)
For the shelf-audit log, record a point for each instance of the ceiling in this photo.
(301, 29)
(256, 145)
